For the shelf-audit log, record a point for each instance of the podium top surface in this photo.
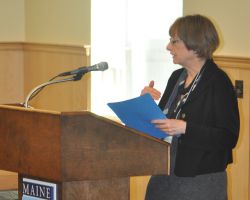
(53, 112)
(21, 108)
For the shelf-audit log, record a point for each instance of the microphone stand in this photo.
(39, 87)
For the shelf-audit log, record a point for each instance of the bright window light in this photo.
(131, 35)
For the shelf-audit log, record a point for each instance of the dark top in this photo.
(212, 116)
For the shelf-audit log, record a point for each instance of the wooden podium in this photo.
(88, 156)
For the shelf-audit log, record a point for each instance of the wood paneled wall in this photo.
(239, 172)
(11, 76)
(44, 61)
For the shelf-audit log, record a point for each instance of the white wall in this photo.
(68, 21)
(45, 21)
(232, 19)
(58, 21)
(12, 21)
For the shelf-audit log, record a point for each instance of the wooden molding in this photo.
(57, 48)
(29, 46)
(232, 62)
(5, 46)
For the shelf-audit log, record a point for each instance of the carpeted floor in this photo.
(9, 195)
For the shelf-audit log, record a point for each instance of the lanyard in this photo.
(183, 100)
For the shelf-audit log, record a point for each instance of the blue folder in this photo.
(137, 113)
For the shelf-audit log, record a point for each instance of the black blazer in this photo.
(212, 117)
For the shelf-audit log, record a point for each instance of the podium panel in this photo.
(80, 151)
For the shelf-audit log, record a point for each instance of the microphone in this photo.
(82, 70)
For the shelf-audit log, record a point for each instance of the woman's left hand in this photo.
(171, 126)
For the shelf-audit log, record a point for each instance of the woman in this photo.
(202, 116)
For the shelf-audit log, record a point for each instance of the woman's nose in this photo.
(168, 47)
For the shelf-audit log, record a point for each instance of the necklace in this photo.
(183, 100)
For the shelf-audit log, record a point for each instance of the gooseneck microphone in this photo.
(75, 76)
(82, 70)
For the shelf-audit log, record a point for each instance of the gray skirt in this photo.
(203, 187)
(211, 186)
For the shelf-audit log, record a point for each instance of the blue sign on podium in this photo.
(38, 190)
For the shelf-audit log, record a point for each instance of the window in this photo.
(131, 35)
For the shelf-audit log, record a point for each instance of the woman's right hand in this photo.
(152, 91)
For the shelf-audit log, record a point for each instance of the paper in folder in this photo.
(138, 113)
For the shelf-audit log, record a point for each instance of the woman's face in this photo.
(181, 55)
